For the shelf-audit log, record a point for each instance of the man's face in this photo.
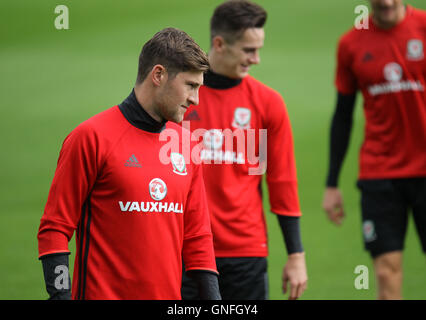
(387, 12)
(244, 52)
(177, 94)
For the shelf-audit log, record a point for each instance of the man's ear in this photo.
(218, 43)
(158, 75)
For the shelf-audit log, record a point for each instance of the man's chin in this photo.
(387, 16)
(177, 119)
(242, 74)
(388, 21)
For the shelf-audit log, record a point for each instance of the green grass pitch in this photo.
(51, 80)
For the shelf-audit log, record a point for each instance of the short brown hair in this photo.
(232, 18)
(173, 49)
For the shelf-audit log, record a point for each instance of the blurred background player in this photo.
(386, 62)
(233, 101)
(134, 216)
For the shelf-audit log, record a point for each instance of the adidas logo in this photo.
(133, 162)
(193, 115)
(367, 57)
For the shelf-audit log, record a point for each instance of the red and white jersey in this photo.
(135, 216)
(389, 67)
(235, 121)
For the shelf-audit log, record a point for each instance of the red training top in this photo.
(135, 216)
(233, 142)
(389, 67)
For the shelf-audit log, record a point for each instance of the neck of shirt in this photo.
(133, 111)
(138, 117)
(218, 81)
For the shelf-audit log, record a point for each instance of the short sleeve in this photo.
(345, 80)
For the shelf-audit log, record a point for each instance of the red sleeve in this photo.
(198, 252)
(74, 177)
(345, 79)
(281, 165)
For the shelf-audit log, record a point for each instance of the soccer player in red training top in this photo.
(386, 62)
(235, 110)
(135, 216)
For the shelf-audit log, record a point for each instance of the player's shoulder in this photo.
(354, 39)
(262, 89)
(100, 120)
(175, 126)
(255, 83)
(352, 36)
(270, 104)
(103, 124)
(418, 14)
(180, 128)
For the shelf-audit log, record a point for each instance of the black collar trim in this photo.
(218, 81)
(138, 117)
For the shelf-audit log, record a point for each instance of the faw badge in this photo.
(242, 118)
(157, 189)
(368, 230)
(213, 139)
(415, 50)
(178, 162)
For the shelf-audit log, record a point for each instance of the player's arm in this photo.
(74, 176)
(347, 86)
(340, 131)
(295, 268)
(56, 276)
(198, 251)
(283, 195)
(290, 227)
(294, 272)
(207, 282)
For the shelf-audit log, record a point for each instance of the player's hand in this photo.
(333, 205)
(295, 274)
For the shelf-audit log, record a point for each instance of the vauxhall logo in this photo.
(157, 191)
(393, 74)
(135, 206)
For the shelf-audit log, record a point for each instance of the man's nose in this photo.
(193, 98)
(255, 58)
